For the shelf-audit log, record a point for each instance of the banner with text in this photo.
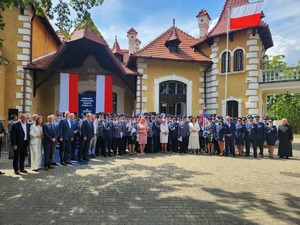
(86, 104)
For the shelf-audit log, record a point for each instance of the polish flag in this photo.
(68, 92)
(203, 118)
(104, 94)
(247, 15)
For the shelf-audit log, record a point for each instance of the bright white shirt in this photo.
(24, 126)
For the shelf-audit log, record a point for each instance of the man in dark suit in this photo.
(76, 135)
(86, 134)
(229, 137)
(65, 137)
(20, 141)
(156, 134)
(50, 132)
(2, 133)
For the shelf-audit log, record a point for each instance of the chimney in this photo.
(137, 44)
(203, 22)
(131, 35)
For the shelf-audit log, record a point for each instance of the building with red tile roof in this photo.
(175, 60)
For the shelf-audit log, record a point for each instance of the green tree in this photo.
(284, 105)
(61, 12)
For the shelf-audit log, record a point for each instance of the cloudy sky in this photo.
(150, 18)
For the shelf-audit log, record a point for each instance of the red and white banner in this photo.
(68, 92)
(247, 15)
(104, 94)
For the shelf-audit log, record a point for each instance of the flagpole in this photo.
(227, 59)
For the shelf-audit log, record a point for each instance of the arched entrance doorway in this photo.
(172, 97)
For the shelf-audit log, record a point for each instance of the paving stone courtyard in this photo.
(155, 189)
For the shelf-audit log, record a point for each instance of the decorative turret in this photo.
(131, 34)
(203, 22)
(173, 41)
(117, 50)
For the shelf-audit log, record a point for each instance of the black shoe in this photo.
(85, 159)
(63, 164)
(255, 156)
(234, 155)
(35, 170)
(17, 173)
(80, 160)
(281, 157)
(68, 162)
(53, 164)
(93, 156)
(247, 155)
(73, 158)
(23, 171)
(1, 173)
(10, 157)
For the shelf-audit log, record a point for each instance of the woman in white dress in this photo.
(194, 138)
(164, 134)
(36, 135)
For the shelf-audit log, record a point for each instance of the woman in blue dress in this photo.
(220, 134)
(271, 137)
(240, 133)
(209, 129)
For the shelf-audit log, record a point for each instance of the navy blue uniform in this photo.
(150, 133)
(271, 134)
(200, 135)
(183, 133)
(156, 137)
(173, 131)
(221, 130)
(108, 135)
(240, 134)
(210, 128)
(261, 134)
(251, 138)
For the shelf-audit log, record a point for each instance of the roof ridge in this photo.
(161, 35)
(153, 41)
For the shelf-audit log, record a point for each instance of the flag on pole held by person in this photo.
(104, 94)
(68, 92)
(247, 15)
(203, 118)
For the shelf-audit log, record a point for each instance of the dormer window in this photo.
(173, 48)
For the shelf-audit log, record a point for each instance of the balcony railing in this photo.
(280, 75)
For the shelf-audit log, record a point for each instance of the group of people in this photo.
(109, 135)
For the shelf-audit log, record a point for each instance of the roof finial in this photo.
(174, 22)
(116, 40)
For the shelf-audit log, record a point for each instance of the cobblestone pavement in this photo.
(156, 189)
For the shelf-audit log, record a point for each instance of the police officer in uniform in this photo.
(183, 133)
(173, 131)
(156, 137)
(261, 135)
(200, 134)
(108, 135)
(100, 145)
(150, 133)
(252, 132)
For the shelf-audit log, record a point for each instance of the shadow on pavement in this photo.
(126, 194)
